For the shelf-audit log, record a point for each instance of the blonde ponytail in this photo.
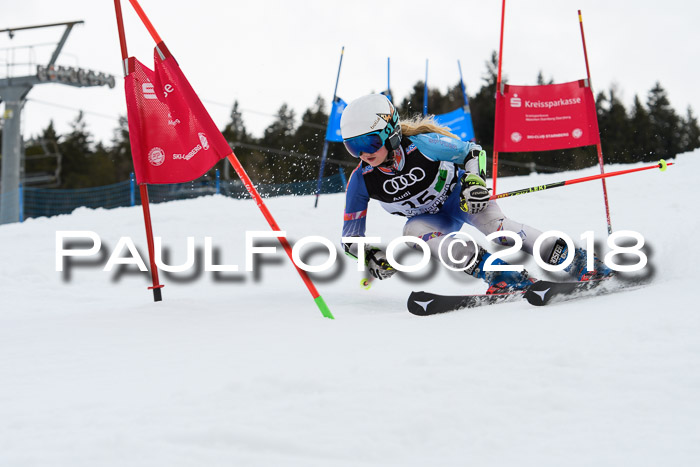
(420, 124)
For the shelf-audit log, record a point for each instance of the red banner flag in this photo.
(173, 138)
(543, 118)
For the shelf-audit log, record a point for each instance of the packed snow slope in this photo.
(240, 368)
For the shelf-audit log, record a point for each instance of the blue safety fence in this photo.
(40, 202)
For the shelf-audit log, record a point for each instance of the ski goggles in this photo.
(369, 143)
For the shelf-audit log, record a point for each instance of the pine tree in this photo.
(235, 130)
(413, 103)
(438, 103)
(308, 141)
(310, 135)
(49, 133)
(614, 126)
(541, 80)
(101, 166)
(641, 133)
(75, 149)
(483, 105)
(42, 157)
(665, 125)
(120, 151)
(238, 138)
(279, 135)
(690, 134)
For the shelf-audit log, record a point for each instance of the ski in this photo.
(539, 293)
(545, 292)
(426, 303)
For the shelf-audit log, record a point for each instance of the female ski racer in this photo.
(420, 170)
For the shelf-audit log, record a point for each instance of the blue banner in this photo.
(459, 122)
(333, 130)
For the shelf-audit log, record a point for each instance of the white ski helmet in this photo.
(368, 123)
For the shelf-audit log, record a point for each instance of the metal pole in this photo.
(132, 189)
(598, 146)
(14, 92)
(388, 79)
(425, 90)
(61, 43)
(494, 170)
(324, 153)
(461, 84)
(343, 180)
(146, 22)
(14, 97)
(157, 294)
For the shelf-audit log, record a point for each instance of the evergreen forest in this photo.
(290, 148)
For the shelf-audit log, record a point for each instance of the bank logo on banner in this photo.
(156, 157)
(148, 91)
(173, 138)
(546, 117)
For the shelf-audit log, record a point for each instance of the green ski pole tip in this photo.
(325, 311)
(663, 165)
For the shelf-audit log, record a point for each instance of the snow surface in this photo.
(245, 371)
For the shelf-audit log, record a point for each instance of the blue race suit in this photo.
(423, 185)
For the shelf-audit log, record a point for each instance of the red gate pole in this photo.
(146, 22)
(498, 89)
(598, 146)
(318, 299)
(149, 237)
(143, 188)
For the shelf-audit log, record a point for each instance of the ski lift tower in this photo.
(13, 91)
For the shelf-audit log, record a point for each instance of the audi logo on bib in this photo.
(396, 184)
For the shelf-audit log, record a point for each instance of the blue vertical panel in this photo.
(459, 122)
(21, 203)
(333, 129)
(132, 189)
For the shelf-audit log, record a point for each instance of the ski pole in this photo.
(662, 164)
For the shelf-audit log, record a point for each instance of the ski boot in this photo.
(578, 268)
(500, 282)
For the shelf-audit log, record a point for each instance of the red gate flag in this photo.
(173, 138)
(544, 118)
